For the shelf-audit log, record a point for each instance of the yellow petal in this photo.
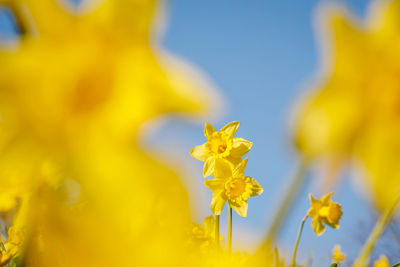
(223, 169)
(382, 262)
(200, 152)
(257, 188)
(240, 208)
(209, 166)
(208, 130)
(318, 227)
(218, 202)
(325, 199)
(231, 128)
(239, 169)
(240, 147)
(209, 223)
(215, 184)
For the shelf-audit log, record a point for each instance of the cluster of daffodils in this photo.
(222, 155)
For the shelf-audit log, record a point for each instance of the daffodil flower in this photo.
(337, 254)
(382, 262)
(230, 184)
(221, 145)
(204, 235)
(324, 211)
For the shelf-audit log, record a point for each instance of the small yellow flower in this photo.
(338, 255)
(12, 246)
(382, 262)
(203, 235)
(221, 145)
(230, 184)
(324, 211)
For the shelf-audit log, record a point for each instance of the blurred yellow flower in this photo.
(11, 246)
(230, 184)
(338, 255)
(221, 145)
(382, 262)
(74, 93)
(203, 236)
(354, 111)
(324, 211)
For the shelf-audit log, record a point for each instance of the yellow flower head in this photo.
(203, 235)
(338, 255)
(230, 184)
(221, 145)
(382, 262)
(12, 246)
(324, 211)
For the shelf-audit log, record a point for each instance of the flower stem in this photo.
(230, 230)
(380, 225)
(298, 241)
(216, 230)
(298, 180)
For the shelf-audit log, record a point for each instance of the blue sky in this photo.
(260, 54)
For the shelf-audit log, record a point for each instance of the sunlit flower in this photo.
(338, 255)
(230, 184)
(382, 262)
(354, 111)
(324, 211)
(221, 145)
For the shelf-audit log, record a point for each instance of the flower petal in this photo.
(215, 184)
(241, 208)
(209, 167)
(318, 227)
(200, 152)
(240, 147)
(239, 169)
(218, 202)
(223, 169)
(257, 188)
(231, 128)
(325, 199)
(209, 224)
(208, 130)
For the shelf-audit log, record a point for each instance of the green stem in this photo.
(216, 230)
(298, 241)
(380, 225)
(230, 230)
(298, 180)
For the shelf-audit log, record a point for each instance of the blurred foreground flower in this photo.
(74, 92)
(354, 113)
(382, 262)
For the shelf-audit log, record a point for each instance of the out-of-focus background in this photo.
(261, 55)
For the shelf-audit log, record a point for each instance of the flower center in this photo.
(219, 144)
(238, 188)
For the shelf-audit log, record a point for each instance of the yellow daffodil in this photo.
(353, 113)
(221, 145)
(382, 262)
(11, 246)
(338, 255)
(203, 236)
(230, 184)
(324, 211)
